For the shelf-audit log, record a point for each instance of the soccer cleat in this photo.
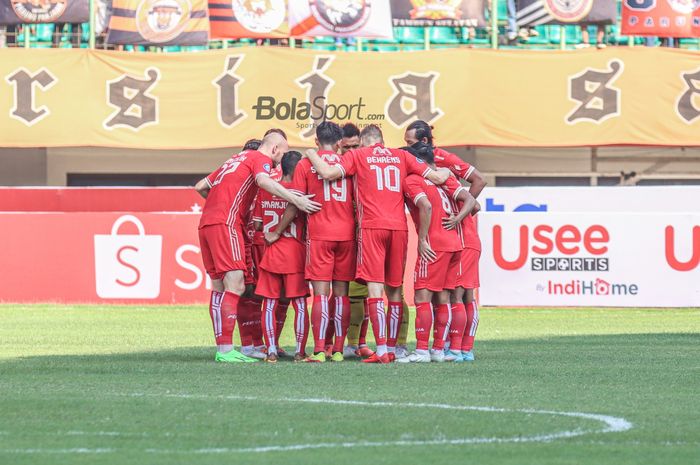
(416, 357)
(453, 356)
(254, 353)
(374, 358)
(233, 356)
(281, 352)
(392, 357)
(271, 358)
(337, 357)
(468, 356)
(316, 358)
(437, 355)
(350, 352)
(364, 351)
(299, 357)
(401, 352)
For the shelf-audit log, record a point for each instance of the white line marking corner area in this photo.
(608, 424)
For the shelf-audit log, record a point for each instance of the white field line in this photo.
(610, 424)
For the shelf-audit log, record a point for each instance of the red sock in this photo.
(442, 323)
(269, 324)
(247, 318)
(459, 322)
(330, 330)
(281, 316)
(227, 318)
(472, 325)
(394, 316)
(378, 319)
(215, 313)
(424, 323)
(301, 324)
(319, 321)
(364, 326)
(342, 322)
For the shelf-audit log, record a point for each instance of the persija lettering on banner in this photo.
(109, 258)
(590, 259)
(665, 18)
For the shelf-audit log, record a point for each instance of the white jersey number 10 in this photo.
(388, 178)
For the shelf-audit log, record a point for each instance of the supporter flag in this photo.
(343, 18)
(536, 12)
(43, 11)
(159, 22)
(236, 19)
(671, 18)
(454, 13)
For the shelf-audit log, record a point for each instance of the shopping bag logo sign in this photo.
(128, 266)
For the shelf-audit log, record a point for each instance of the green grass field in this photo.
(137, 385)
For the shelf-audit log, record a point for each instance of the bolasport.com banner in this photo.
(590, 259)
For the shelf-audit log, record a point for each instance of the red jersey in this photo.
(440, 239)
(258, 237)
(233, 189)
(379, 173)
(461, 169)
(287, 255)
(336, 220)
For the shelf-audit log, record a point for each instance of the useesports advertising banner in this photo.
(453, 13)
(638, 96)
(536, 12)
(159, 22)
(671, 18)
(590, 259)
(43, 11)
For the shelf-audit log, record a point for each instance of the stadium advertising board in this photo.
(590, 259)
(454, 13)
(43, 11)
(223, 98)
(671, 18)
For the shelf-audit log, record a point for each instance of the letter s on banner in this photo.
(127, 266)
(188, 266)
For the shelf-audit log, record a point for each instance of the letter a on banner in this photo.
(413, 98)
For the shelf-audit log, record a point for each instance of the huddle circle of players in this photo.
(274, 220)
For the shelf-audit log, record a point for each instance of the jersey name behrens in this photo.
(395, 160)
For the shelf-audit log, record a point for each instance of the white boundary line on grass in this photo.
(610, 425)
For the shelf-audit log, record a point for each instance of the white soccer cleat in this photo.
(401, 352)
(254, 353)
(437, 356)
(349, 352)
(416, 357)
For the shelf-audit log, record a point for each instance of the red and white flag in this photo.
(340, 18)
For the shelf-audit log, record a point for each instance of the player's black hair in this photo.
(422, 151)
(252, 144)
(289, 162)
(423, 130)
(277, 131)
(350, 130)
(328, 133)
(371, 131)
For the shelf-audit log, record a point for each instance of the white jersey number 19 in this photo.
(337, 190)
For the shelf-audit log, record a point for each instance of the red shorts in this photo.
(277, 286)
(438, 275)
(223, 249)
(381, 256)
(330, 260)
(469, 269)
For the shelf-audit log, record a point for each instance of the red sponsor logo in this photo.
(544, 239)
(597, 287)
(671, 258)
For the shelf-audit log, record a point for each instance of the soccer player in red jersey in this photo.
(383, 236)
(466, 312)
(281, 274)
(229, 192)
(331, 248)
(439, 253)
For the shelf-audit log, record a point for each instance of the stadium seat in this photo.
(412, 47)
(385, 48)
(573, 34)
(43, 32)
(172, 48)
(323, 46)
(85, 33)
(443, 36)
(194, 48)
(409, 35)
(542, 38)
(481, 38)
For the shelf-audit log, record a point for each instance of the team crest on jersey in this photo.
(436, 9)
(39, 11)
(341, 16)
(260, 15)
(161, 21)
(266, 167)
(568, 11)
(684, 6)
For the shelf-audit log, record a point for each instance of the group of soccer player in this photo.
(275, 221)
